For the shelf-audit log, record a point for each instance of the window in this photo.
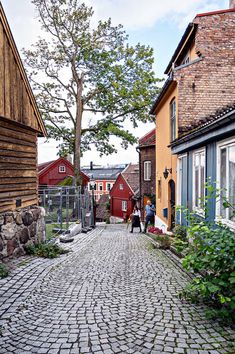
(147, 170)
(159, 189)
(186, 59)
(121, 186)
(124, 205)
(62, 169)
(108, 186)
(199, 180)
(226, 170)
(100, 186)
(173, 119)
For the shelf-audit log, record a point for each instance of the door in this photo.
(171, 198)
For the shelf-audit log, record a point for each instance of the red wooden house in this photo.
(53, 172)
(124, 194)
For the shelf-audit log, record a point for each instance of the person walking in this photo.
(149, 214)
(136, 218)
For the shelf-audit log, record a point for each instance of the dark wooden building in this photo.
(147, 167)
(20, 124)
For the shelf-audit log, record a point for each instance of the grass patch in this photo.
(45, 250)
(4, 272)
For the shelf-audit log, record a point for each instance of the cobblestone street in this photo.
(113, 294)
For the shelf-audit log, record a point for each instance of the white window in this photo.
(62, 169)
(147, 170)
(173, 119)
(198, 180)
(226, 178)
(124, 205)
(121, 186)
(108, 186)
(100, 186)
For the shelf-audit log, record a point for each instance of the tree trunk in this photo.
(77, 147)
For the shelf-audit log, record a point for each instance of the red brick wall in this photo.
(147, 187)
(209, 84)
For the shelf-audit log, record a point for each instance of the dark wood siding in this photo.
(18, 163)
(15, 102)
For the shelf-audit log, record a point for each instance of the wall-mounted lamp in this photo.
(166, 172)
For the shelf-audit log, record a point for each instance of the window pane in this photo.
(223, 181)
(231, 162)
(202, 178)
(196, 185)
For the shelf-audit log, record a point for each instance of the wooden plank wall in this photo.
(15, 103)
(18, 165)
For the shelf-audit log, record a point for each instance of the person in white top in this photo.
(136, 219)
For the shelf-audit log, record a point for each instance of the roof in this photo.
(218, 12)
(164, 89)
(148, 139)
(10, 37)
(207, 123)
(187, 36)
(43, 165)
(131, 176)
(103, 173)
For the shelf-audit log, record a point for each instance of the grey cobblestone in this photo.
(112, 294)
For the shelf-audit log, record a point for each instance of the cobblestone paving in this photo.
(112, 294)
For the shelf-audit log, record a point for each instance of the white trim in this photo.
(124, 205)
(62, 169)
(179, 182)
(198, 210)
(147, 170)
(223, 144)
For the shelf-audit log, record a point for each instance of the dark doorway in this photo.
(171, 204)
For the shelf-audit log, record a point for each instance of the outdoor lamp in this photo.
(166, 172)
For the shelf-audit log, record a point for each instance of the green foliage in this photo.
(180, 241)
(95, 81)
(45, 250)
(68, 181)
(212, 254)
(3, 271)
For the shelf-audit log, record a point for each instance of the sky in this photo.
(157, 23)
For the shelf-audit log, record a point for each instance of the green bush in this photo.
(3, 271)
(213, 255)
(45, 250)
(180, 241)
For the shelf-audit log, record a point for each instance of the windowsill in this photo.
(230, 224)
(199, 212)
(147, 180)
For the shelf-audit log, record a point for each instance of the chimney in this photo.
(232, 4)
(91, 165)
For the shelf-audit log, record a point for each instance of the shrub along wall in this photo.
(20, 228)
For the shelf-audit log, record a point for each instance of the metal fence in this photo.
(66, 205)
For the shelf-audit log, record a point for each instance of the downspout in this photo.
(138, 150)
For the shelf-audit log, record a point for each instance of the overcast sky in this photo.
(157, 23)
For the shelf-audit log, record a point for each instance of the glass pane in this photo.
(196, 186)
(223, 181)
(202, 178)
(231, 162)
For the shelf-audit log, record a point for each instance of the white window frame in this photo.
(199, 210)
(100, 185)
(121, 186)
(124, 205)
(179, 184)
(62, 169)
(223, 144)
(147, 170)
(110, 186)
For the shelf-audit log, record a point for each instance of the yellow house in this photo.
(200, 81)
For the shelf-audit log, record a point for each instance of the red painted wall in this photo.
(118, 195)
(51, 176)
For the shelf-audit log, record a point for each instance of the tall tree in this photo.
(88, 80)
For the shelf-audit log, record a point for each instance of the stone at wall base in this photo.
(20, 228)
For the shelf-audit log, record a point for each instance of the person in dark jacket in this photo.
(149, 214)
(136, 218)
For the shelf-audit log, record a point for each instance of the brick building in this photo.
(147, 168)
(201, 80)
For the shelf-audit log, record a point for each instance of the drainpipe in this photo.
(138, 150)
